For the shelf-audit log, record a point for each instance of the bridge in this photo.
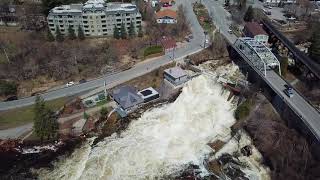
(297, 54)
(265, 64)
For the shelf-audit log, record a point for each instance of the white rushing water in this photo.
(163, 141)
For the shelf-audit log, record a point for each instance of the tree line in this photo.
(59, 37)
(122, 32)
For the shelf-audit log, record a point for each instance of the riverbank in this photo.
(17, 161)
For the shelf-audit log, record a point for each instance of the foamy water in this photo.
(162, 142)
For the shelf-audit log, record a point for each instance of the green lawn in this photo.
(153, 50)
(20, 116)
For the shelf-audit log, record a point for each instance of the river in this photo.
(163, 141)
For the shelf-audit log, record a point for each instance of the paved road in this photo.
(221, 17)
(111, 80)
(14, 133)
(309, 115)
(299, 55)
(138, 70)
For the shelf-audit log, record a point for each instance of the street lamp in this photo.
(205, 39)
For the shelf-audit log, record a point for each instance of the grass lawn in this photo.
(20, 116)
(102, 102)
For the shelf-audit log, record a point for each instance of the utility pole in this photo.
(205, 39)
(5, 53)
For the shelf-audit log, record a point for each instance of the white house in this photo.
(176, 75)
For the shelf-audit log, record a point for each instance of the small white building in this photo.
(166, 16)
(176, 75)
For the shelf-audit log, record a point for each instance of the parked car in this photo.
(82, 81)
(11, 98)
(71, 83)
(288, 91)
(229, 31)
(207, 41)
(191, 36)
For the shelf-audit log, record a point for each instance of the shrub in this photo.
(7, 88)
(243, 110)
(153, 50)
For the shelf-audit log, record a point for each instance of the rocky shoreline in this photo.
(16, 163)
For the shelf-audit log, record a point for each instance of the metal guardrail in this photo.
(280, 95)
(313, 66)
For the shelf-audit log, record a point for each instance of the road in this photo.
(297, 103)
(221, 18)
(142, 68)
(309, 115)
(14, 133)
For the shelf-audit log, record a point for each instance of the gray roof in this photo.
(126, 97)
(175, 72)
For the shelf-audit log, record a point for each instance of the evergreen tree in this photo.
(132, 30)
(314, 50)
(81, 35)
(50, 37)
(123, 32)
(140, 32)
(116, 34)
(59, 36)
(45, 123)
(71, 33)
(248, 17)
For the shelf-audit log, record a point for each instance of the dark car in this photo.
(288, 91)
(82, 81)
(11, 98)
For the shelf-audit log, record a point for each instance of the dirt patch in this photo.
(153, 79)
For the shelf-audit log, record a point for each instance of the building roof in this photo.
(126, 97)
(168, 13)
(149, 92)
(175, 72)
(255, 28)
(72, 8)
(166, 1)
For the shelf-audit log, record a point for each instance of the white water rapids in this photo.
(164, 141)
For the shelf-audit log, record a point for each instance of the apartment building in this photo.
(95, 17)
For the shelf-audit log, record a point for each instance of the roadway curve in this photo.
(139, 69)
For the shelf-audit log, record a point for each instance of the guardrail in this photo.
(313, 66)
(280, 95)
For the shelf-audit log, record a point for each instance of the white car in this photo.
(207, 41)
(229, 31)
(71, 83)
